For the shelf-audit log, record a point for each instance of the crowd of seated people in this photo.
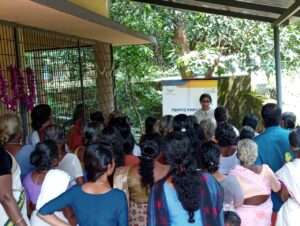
(181, 172)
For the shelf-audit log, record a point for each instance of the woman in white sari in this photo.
(55, 183)
(13, 211)
(289, 175)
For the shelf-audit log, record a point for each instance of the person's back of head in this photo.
(150, 150)
(150, 125)
(40, 115)
(122, 125)
(111, 136)
(271, 114)
(97, 116)
(166, 125)
(180, 123)
(10, 127)
(192, 122)
(98, 160)
(92, 133)
(250, 120)
(232, 219)
(208, 157)
(288, 120)
(185, 178)
(45, 155)
(221, 114)
(247, 133)
(225, 135)
(247, 152)
(208, 127)
(55, 133)
(294, 139)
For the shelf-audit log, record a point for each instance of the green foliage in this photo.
(235, 45)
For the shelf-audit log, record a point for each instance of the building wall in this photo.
(98, 6)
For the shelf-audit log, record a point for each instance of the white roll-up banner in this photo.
(182, 96)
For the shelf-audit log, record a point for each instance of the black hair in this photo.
(271, 114)
(39, 115)
(55, 133)
(250, 120)
(150, 148)
(78, 112)
(112, 137)
(247, 132)
(205, 95)
(97, 157)
(208, 157)
(289, 120)
(43, 155)
(149, 125)
(192, 121)
(180, 123)
(225, 135)
(294, 138)
(185, 178)
(231, 218)
(97, 116)
(166, 125)
(92, 133)
(221, 114)
(194, 131)
(124, 128)
(122, 125)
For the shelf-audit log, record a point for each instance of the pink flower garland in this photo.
(19, 93)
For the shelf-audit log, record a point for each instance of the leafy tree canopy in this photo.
(221, 45)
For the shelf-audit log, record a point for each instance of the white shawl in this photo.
(289, 213)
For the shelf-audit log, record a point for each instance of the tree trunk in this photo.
(104, 82)
(180, 37)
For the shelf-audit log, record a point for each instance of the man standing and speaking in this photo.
(205, 112)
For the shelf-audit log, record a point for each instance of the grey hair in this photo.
(247, 151)
(209, 127)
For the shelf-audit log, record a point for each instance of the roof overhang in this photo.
(64, 17)
(273, 11)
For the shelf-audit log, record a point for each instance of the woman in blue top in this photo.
(94, 203)
(187, 197)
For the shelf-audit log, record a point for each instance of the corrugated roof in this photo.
(261, 10)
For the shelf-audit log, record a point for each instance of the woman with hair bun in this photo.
(12, 197)
(137, 180)
(43, 158)
(94, 203)
(12, 139)
(257, 183)
(208, 155)
(45, 182)
(68, 162)
(186, 196)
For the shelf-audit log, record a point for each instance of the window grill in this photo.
(64, 68)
